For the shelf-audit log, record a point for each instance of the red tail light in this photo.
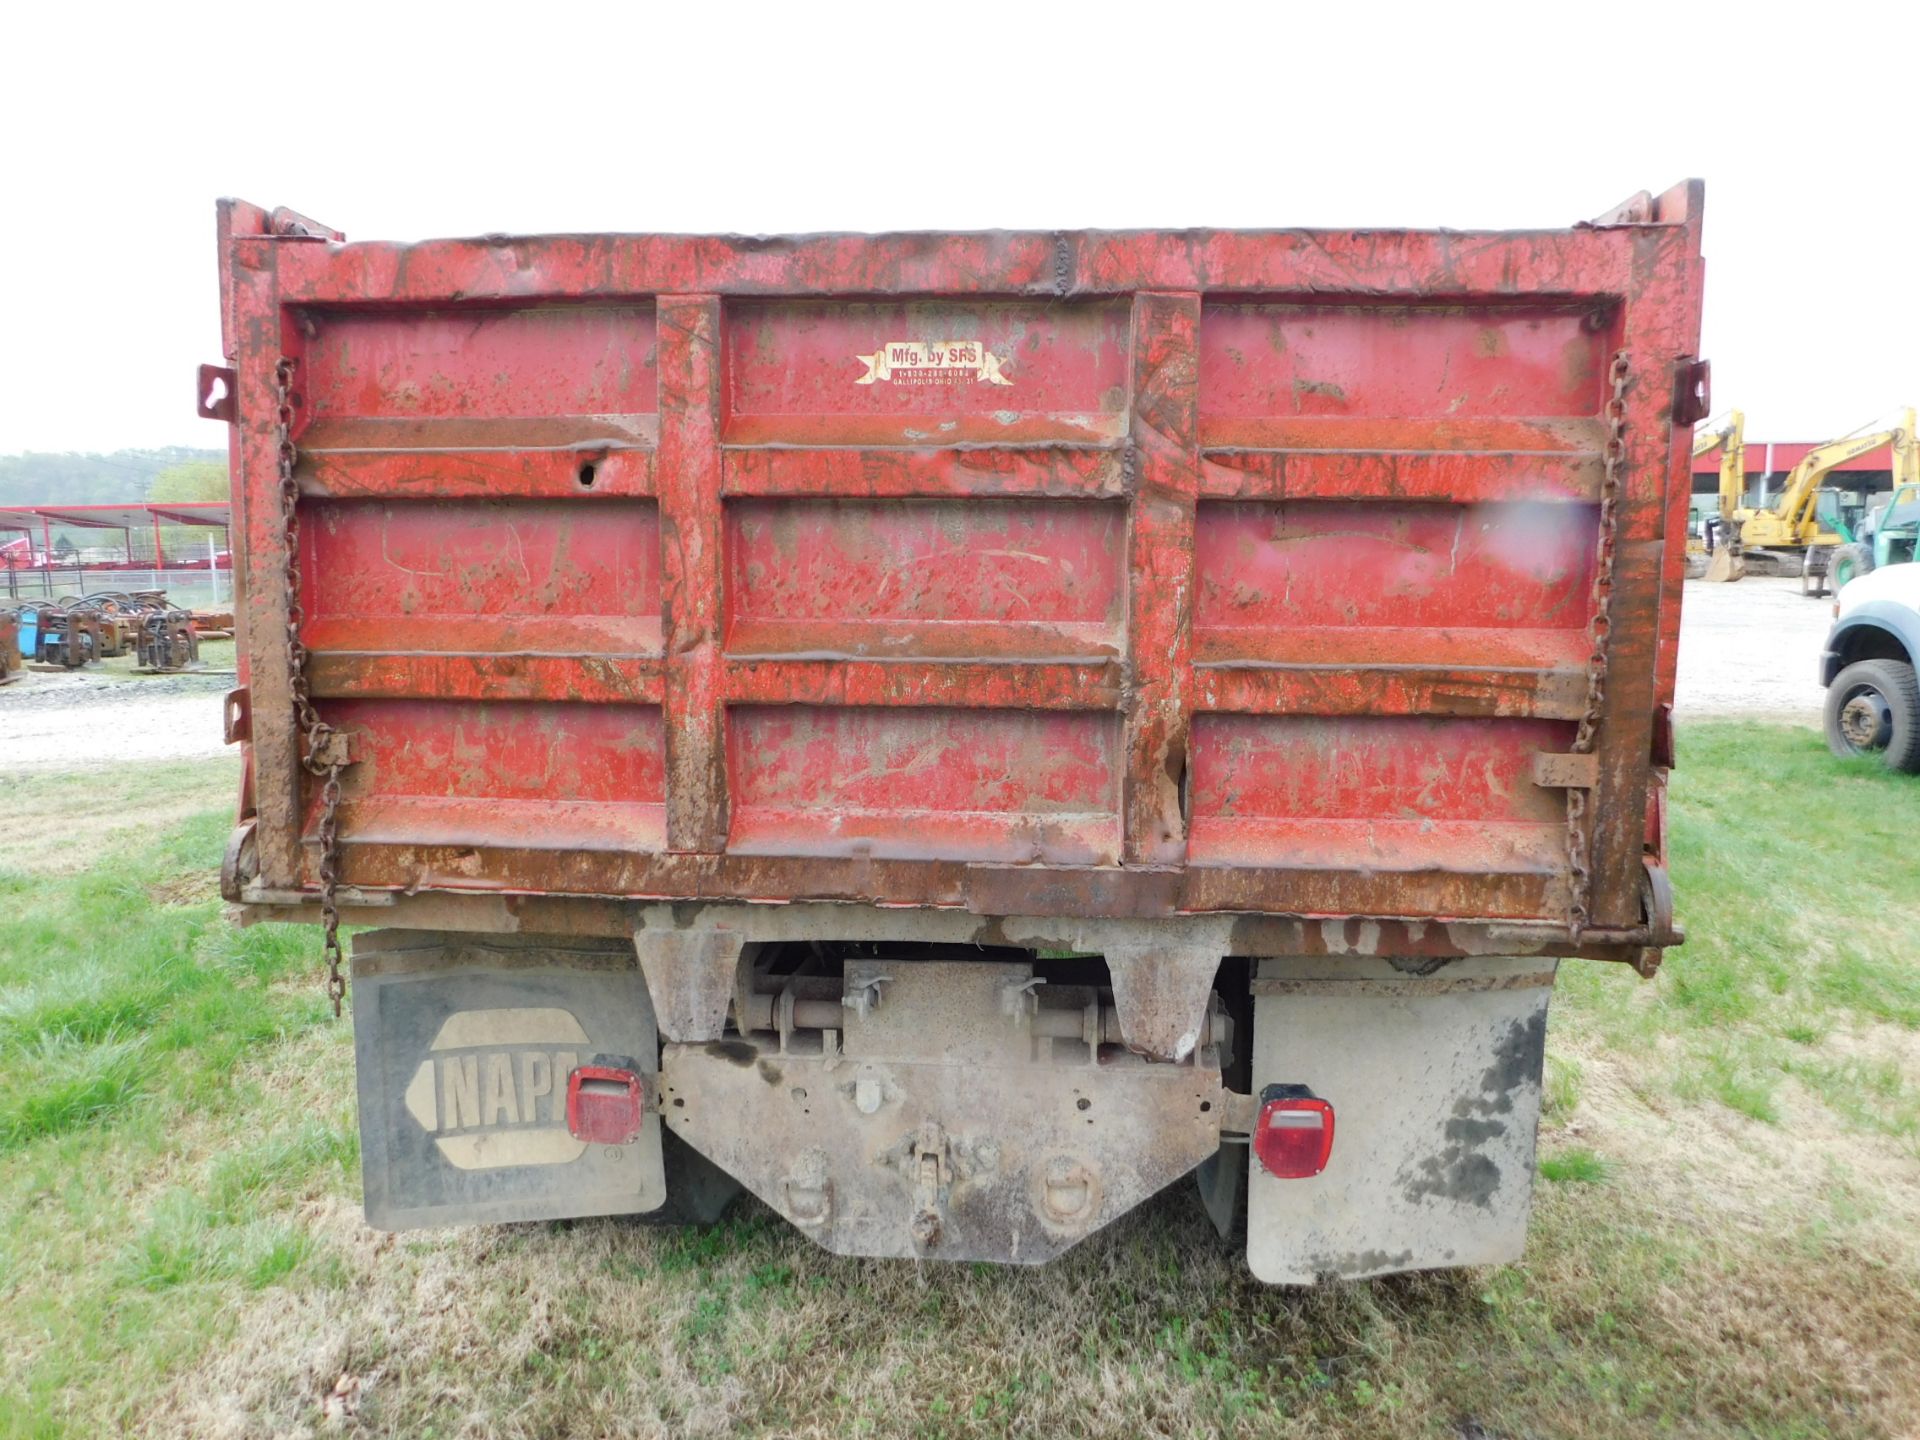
(605, 1106)
(1295, 1133)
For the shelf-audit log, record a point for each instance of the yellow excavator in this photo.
(1700, 557)
(1794, 535)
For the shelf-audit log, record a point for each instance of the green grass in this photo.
(1574, 1166)
(110, 997)
(1798, 883)
(141, 1175)
(1723, 1241)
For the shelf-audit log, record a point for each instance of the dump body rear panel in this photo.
(1135, 575)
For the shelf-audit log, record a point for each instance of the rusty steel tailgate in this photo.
(1315, 574)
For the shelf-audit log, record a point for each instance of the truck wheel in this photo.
(1847, 562)
(1873, 708)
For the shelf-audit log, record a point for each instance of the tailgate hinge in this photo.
(1636, 209)
(288, 224)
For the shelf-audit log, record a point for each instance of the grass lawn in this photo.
(1727, 1239)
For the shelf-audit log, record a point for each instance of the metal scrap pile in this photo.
(166, 640)
(73, 633)
(80, 629)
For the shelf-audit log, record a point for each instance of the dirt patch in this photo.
(188, 889)
(1725, 1168)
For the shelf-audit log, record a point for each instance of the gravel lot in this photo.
(1751, 649)
(106, 715)
(1748, 649)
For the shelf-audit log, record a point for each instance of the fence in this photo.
(192, 589)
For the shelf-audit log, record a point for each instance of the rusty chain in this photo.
(324, 754)
(1599, 633)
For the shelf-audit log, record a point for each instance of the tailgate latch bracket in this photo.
(1692, 392)
(236, 715)
(1552, 771)
(213, 394)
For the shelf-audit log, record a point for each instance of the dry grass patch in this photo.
(1624, 1320)
(60, 822)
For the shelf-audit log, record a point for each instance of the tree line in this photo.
(123, 477)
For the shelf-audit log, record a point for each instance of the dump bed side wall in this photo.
(1125, 574)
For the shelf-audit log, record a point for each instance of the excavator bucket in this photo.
(1725, 566)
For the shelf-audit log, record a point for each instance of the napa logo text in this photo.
(493, 1088)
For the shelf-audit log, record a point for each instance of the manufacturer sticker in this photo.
(932, 362)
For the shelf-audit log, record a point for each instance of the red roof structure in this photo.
(43, 520)
(1774, 457)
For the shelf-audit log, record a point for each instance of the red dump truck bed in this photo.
(1122, 574)
(1160, 595)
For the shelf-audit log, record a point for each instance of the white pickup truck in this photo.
(1873, 698)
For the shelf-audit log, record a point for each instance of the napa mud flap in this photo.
(503, 1078)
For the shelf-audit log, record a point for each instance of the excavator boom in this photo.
(1794, 510)
(1731, 441)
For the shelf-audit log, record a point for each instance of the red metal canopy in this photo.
(216, 513)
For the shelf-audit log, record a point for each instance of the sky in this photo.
(397, 122)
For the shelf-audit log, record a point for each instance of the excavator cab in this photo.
(1837, 513)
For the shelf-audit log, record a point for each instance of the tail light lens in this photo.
(605, 1106)
(1295, 1134)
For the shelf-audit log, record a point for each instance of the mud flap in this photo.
(1435, 1086)
(465, 1045)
